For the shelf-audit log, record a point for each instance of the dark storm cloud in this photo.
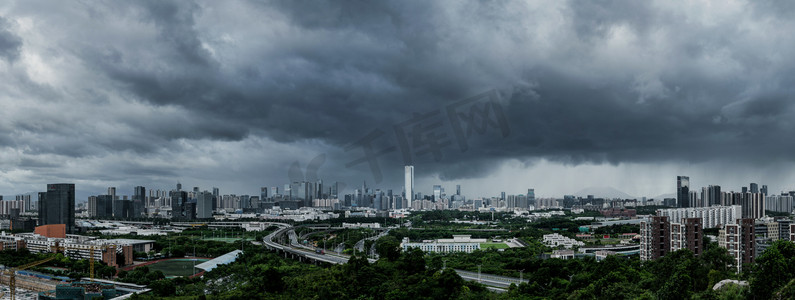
(596, 82)
(331, 91)
(10, 43)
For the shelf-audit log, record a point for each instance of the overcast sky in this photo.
(554, 95)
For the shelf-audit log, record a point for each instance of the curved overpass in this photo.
(295, 250)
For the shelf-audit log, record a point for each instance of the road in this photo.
(296, 248)
(359, 246)
(493, 282)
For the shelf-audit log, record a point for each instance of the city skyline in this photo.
(234, 94)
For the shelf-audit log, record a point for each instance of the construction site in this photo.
(27, 287)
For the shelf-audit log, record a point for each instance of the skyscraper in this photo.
(139, 198)
(409, 184)
(754, 188)
(216, 197)
(334, 190)
(263, 193)
(204, 201)
(112, 193)
(58, 206)
(531, 197)
(709, 196)
(437, 192)
(458, 190)
(682, 191)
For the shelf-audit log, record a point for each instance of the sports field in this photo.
(176, 267)
(493, 246)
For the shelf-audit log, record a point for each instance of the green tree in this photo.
(388, 247)
(774, 268)
(163, 288)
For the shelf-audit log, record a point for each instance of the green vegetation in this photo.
(176, 267)
(649, 209)
(265, 275)
(141, 275)
(493, 246)
(771, 213)
(204, 241)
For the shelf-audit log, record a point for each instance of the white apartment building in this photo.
(711, 217)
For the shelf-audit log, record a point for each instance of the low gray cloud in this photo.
(10, 43)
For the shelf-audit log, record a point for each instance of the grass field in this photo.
(493, 246)
(176, 267)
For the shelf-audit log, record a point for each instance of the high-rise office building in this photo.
(682, 191)
(104, 206)
(112, 193)
(409, 184)
(458, 190)
(204, 205)
(178, 200)
(334, 191)
(713, 195)
(245, 201)
(58, 206)
(263, 193)
(763, 190)
(437, 192)
(139, 198)
(531, 197)
(122, 208)
(216, 198)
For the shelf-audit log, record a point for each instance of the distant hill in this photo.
(663, 196)
(604, 192)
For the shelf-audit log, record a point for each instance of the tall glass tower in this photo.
(683, 191)
(58, 206)
(409, 184)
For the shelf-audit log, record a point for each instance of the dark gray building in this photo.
(122, 208)
(58, 206)
(101, 206)
(683, 191)
(204, 205)
(139, 200)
